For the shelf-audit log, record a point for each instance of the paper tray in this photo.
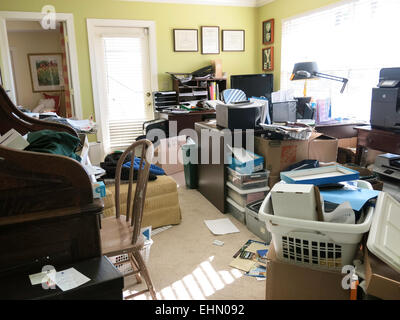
(320, 176)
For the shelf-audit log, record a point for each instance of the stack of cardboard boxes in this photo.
(279, 154)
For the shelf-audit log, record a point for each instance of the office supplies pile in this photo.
(318, 218)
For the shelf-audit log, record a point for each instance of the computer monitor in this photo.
(254, 85)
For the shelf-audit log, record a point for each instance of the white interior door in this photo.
(123, 77)
(7, 77)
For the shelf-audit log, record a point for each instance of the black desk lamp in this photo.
(309, 70)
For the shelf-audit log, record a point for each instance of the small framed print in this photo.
(233, 40)
(46, 71)
(186, 40)
(268, 59)
(268, 31)
(209, 40)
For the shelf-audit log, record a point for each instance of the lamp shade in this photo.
(304, 70)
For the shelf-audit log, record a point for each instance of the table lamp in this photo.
(309, 70)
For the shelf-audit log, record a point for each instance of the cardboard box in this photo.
(294, 201)
(287, 281)
(323, 148)
(272, 180)
(168, 154)
(381, 280)
(279, 154)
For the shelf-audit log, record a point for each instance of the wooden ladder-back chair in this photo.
(121, 235)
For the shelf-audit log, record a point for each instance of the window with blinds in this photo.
(125, 65)
(354, 39)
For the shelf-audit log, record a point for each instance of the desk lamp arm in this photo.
(335, 78)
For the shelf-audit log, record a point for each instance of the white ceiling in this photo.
(237, 3)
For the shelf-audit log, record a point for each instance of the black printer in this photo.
(385, 108)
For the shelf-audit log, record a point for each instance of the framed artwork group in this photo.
(268, 27)
(186, 40)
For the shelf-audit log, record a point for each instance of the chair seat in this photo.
(116, 236)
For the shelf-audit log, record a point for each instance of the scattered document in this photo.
(221, 226)
(68, 279)
(258, 271)
(242, 264)
(40, 277)
(247, 257)
(13, 139)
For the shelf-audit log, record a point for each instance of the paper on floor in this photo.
(242, 264)
(221, 226)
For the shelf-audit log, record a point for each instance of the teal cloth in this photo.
(55, 142)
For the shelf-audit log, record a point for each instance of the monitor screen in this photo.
(254, 85)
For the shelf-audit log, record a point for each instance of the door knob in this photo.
(149, 104)
(148, 94)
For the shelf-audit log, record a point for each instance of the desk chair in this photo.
(233, 95)
(120, 235)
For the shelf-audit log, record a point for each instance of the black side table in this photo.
(106, 283)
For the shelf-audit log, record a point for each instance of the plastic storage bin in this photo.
(248, 181)
(244, 197)
(314, 243)
(189, 151)
(249, 167)
(122, 262)
(235, 210)
(254, 224)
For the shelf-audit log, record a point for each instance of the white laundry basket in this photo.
(317, 244)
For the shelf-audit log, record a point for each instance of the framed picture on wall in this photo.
(268, 59)
(209, 40)
(268, 31)
(46, 71)
(233, 40)
(185, 40)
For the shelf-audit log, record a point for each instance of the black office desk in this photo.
(106, 283)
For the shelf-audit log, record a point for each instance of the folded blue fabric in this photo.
(153, 168)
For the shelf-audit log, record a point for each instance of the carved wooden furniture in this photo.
(47, 212)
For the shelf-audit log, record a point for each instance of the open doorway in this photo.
(38, 65)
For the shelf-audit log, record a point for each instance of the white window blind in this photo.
(354, 39)
(126, 64)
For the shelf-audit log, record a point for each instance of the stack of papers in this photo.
(290, 132)
(251, 258)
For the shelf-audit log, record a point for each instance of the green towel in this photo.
(55, 142)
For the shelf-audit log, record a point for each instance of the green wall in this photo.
(167, 17)
(279, 10)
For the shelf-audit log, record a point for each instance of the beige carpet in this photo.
(185, 264)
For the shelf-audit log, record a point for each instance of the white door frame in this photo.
(68, 18)
(92, 24)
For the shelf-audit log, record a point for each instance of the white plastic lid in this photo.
(384, 235)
